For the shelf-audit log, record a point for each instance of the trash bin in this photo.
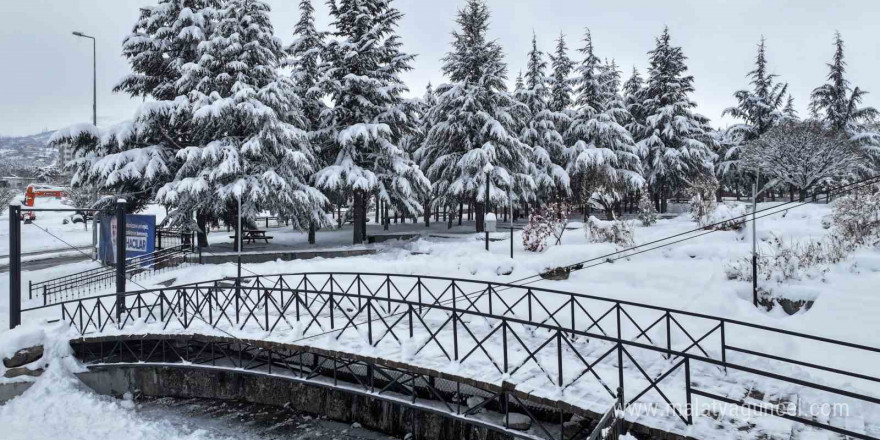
(491, 222)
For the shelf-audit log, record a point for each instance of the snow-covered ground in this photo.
(688, 276)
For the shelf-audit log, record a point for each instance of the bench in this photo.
(252, 236)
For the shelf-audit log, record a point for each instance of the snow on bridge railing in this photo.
(548, 342)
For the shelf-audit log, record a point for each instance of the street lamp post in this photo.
(94, 76)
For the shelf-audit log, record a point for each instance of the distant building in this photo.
(65, 155)
(16, 182)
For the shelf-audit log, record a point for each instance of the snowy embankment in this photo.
(689, 276)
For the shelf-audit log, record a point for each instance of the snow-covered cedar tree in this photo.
(702, 203)
(545, 222)
(368, 118)
(540, 130)
(759, 109)
(474, 133)
(602, 153)
(561, 90)
(6, 197)
(803, 154)
(838, 104)
(647, 212)
(856, 216)
(618, 232)
(674, 141)
(135, 158)
(416, 143)
(249, 139)
(304, 61)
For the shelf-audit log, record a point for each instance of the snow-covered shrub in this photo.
(544, 223)
(782, 261)
(727, 217)
(856, 216)
(82, 196)
(647, 211)
(618, 232)
(856, 222)
(702, 203)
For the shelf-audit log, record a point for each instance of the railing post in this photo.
(14, 265)
(120, 259)
(687, 384)
(504, 342)
(668, 336)
(723, 347)
(559, 356)
(454, 323)
(158, 239)
(619, 357)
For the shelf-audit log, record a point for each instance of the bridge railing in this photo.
(542, 339)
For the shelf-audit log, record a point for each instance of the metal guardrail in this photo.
(82, 283)
(569, 339)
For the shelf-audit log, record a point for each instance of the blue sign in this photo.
(140, 237)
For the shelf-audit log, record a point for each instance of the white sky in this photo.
(45, 72)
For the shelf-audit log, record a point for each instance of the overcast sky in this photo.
(45, 72)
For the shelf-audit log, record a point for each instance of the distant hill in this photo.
(27, 150)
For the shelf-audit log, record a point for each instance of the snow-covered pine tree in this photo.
(540, 131)
(674, 138)
(474, 135)
(251, 142)
(838, 104)
(418, 142)
(789, 111)
(632, 98)
(305, 63)
(368, 118)
(602, 154)
(759, 109)
(561, 90)
(304, 60)
(135, 158)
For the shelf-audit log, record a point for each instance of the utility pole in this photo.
(14, 265)
(94, 76)
(120, 260)
(755, 240)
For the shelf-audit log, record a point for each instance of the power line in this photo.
(766, 212)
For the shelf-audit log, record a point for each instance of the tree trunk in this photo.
(377, 208)
(803, 197)
(427, 211)
(460, 212)
(480, 217)
(664, 199)
(312, 232)
(202, 223)
(358, 216)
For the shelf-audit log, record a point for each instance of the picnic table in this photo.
(251, 236)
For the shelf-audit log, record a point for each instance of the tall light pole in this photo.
(94, 76)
